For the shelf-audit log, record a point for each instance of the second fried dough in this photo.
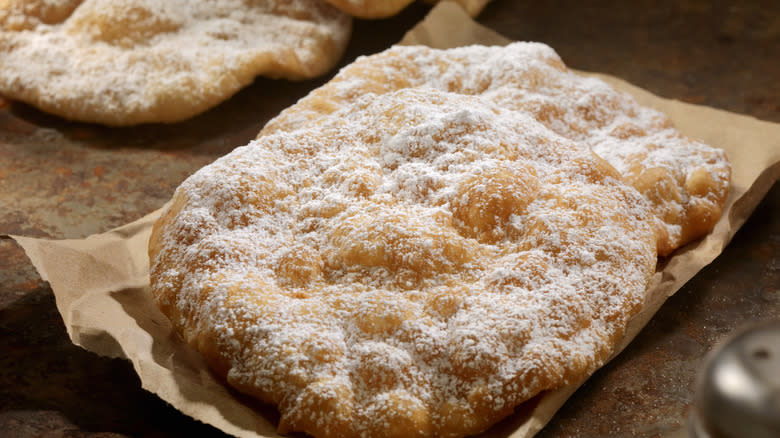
(146, 61)
(685, 180)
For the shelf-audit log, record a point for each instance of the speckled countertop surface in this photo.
(66, 180)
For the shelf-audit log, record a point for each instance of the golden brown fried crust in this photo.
(20, 15)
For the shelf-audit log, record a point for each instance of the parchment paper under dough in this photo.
(101, 282)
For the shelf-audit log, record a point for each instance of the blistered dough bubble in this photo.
(486, 202)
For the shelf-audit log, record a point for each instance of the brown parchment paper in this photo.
(101, 283)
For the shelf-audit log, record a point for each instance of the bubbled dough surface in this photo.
(685, 180)
(417, 263)
(138, 61)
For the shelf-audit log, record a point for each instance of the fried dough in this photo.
(429, 240)
(414, 264)
(139, 61)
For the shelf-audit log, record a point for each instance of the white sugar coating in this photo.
(416, 263)
(685, 180)
(129, 62)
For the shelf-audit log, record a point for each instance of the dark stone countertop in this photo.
(69, 180)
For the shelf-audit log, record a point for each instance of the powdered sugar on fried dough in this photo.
(415, 263)
(138, 61)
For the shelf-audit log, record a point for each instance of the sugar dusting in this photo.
(415, 263)
(130, 62)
